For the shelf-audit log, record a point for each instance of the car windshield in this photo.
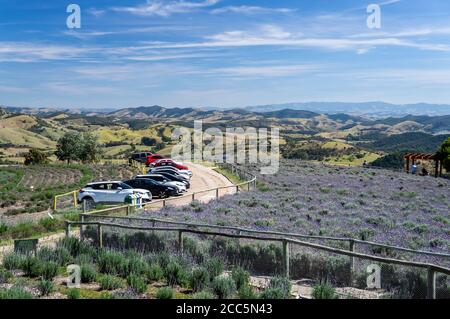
(125, 186)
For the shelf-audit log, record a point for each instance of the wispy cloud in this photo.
(251, 10)
(165, 9)
(265, 70)
(269, 35)
(31, 52)
(86, 35)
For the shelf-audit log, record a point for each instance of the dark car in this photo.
(156, 170)
(176, 178)
(140, 157)
(156, 188)
(165, 177)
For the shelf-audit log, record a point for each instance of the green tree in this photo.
(69, 147)
(148, 141)
(35, 156)
(444, 154)
(90, 150)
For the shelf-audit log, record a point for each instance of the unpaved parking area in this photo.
(203, 178)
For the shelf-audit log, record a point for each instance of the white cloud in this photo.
(264, 70)
(96, 12)
(270, 35)
(31, 52)
(251, 10)
(165, 9)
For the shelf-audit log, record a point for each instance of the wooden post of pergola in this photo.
(411, 158)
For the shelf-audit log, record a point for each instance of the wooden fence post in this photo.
(67, 229)
(193, 196)
(128, 210)
(100, 235)
(286, 258)
(75, 200)
(180, 242)
(84, 206)
(352, 259)
(217, 193)
(82, 227)
(431, 283)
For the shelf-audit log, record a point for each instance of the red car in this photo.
(153, 158)
(169, 162)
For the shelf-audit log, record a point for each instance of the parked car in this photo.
(179, 178)
(140, 157)
(164, 180)
(110, 192)
(170, 169)
(153, 158)
(169, 162)
(156, 188)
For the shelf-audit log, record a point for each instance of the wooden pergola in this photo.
(411, 159)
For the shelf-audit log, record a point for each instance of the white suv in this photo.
(111, 192)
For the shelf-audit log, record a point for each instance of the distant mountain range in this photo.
(364, 109)
(373, 109)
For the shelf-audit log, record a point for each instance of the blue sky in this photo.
(222, 53)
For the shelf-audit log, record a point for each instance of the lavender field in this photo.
(307, 198)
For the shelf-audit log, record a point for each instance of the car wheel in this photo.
(90, 204)
(162, 194)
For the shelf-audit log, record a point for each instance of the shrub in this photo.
(49, 270)
(50, 224)
(203, 295)
(73, 293)
(134, 265)
(13, 261)
(240, 276)
(246, 292)
(109, 282)
(3, 228)
(32, 266)
(88, 273)
(199, 279)
(174, 274)
(46, 254)
(164, 293)
(63, 256)
(324, 291)
(224, 287)
(137, 283)
(75, 246)
(283, 284)
(272, 293)
(15, 292)
(45, 287)
(111, 262)
(5, 275)
(155, 272)
(215, 267)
